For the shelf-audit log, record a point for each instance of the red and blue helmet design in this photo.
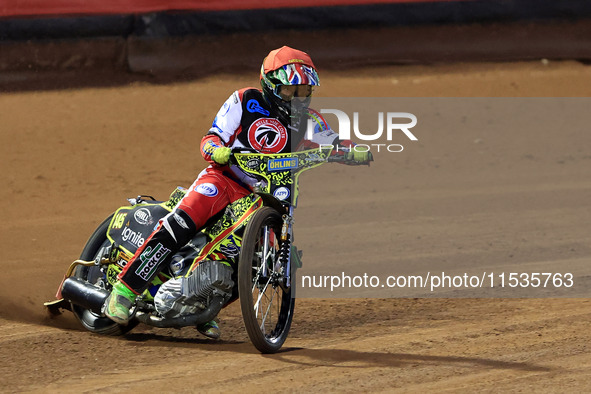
(287, 66)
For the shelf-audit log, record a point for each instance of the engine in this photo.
(187, 295)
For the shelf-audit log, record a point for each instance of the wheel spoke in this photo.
(256, 278)
(261, 294)
(269, 307)
(265, 249)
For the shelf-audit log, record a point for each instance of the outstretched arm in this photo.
(322, 134)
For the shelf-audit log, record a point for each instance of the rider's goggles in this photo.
(288, 92)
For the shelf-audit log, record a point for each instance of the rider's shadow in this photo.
(357, 359)
(340, 358)
(165, 340)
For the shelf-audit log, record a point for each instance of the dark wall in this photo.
(397, 13)
(183, 45)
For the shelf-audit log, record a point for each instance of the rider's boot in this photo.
(119, 302)
(210, 329)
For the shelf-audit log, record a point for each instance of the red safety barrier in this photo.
(19, 8)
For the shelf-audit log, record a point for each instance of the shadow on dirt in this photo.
(356, 359)
(342, 358)
(166, 340)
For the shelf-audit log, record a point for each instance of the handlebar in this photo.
(243, 149)
(343, 159)
(335, 158)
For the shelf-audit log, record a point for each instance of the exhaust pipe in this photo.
(80, 292)
(84, 294)
(204, 316)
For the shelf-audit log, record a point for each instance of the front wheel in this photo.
(266, 303)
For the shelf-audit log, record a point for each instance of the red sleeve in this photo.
(209, 144)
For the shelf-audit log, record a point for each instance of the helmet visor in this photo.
(288, 92)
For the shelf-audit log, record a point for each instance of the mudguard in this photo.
(131, 226)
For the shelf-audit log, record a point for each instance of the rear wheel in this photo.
(267, 305)
(95, 275)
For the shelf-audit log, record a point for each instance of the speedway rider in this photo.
(270, 121)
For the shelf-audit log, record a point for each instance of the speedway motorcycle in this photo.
(246, 254)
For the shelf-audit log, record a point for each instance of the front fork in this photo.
(286, 240)
(280, 264)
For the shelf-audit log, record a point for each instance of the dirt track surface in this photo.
(68, 158)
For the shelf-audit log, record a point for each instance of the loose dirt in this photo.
(70, 157)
